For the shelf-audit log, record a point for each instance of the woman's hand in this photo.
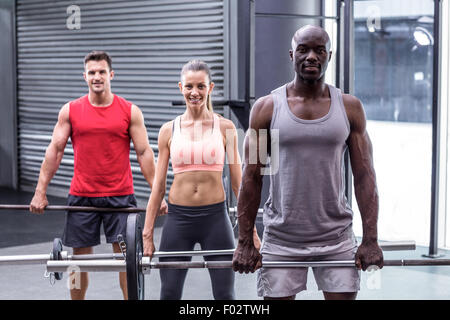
(147, 239)
(163, 208)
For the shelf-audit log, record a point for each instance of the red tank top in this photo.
(101, 145)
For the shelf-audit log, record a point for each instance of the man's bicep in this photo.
(138, 131)
(62, 130)
(261, 114)
(361, 154)
(258, 136)
(360, 146)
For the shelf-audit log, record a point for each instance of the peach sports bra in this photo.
(205, 154)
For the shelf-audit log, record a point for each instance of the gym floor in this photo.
(23, 233)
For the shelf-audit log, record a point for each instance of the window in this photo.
(393, 57)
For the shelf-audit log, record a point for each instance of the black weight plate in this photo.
(135, 276)
(56, 255)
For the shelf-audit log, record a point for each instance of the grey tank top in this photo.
(307, 205)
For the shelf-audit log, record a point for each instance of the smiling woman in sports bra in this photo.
(196, 142)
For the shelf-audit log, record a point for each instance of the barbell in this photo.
(135, 264)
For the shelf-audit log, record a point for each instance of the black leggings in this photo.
(184, 227)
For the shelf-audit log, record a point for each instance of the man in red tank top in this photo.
(100, 125)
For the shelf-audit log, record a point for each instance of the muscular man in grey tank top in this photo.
(307, 207)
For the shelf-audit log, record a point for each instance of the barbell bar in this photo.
(26, 207)
(159, 254)
(43, 258)
(73, 208)
(384, 245)
(146, 264)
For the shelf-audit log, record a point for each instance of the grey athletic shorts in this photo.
(285, 282)
(82, 229)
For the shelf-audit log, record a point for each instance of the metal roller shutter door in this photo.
(149, 41)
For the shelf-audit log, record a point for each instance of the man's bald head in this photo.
(309, 31)
(310, 53)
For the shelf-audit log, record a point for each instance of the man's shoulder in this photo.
(354, 109)
(351, 101)
(267, 101)
(261, 112)
(263, 103)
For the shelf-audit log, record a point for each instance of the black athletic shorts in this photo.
(82, 229)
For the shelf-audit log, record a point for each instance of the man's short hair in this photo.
(98, 56)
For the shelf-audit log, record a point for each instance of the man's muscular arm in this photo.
(52, 160)
(246, 257)
(361, 157)
(144, 152)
